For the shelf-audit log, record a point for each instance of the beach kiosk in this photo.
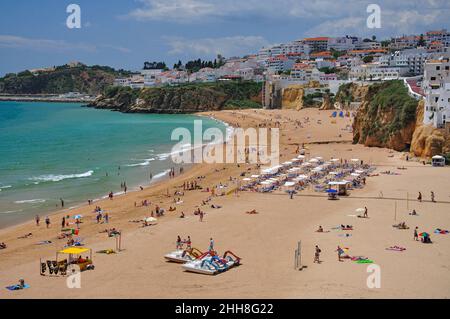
(438, 161)
(75, 257)
(339, 187)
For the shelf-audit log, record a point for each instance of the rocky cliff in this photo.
(386, 116)
(389, 117)
(292, 97)
(182, 99)
(427, 140)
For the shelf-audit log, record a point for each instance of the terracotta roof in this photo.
(317, 39)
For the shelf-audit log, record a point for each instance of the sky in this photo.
(126, 33)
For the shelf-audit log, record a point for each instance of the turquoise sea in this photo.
(50, 151)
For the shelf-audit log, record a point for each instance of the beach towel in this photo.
(106, 251)
(17, 287)
(441, 231)
(345, 235)
(364, 261)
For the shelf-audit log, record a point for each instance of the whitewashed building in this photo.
(436, 85)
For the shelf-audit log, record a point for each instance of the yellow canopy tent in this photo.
(71, 251)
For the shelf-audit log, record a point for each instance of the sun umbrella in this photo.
(77, 216)
(150, 219)
(246, 179)
(424, 234)
(288, 184)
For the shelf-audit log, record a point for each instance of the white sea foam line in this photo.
(58, 178)
(30, 201)
(11, 211)
(5, 187)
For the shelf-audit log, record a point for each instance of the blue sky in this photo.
(125, 33)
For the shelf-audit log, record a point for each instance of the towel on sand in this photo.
(17, 287)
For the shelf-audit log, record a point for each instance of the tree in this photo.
(421, 42)
(374, 38)
(368, 58)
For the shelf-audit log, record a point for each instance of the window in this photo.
(433, 78)
(438, 67)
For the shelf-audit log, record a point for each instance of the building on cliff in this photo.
(436, 85)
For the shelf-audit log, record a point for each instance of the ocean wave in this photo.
(58, 178)
(162, 174)
(5, 187)
(30, 201)
(11, 211)
(146, 162)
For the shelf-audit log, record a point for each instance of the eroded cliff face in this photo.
(292, 97)
(427, 140)
(387, 118)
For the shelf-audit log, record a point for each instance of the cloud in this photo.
(227, 46)
(322, 16)
(18, 42)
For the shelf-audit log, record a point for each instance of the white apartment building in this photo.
(343, 43)
(442, 36)
(436, 85)
(150, 76)
(376, 72)
(369, 45)
(413, 59)
(279, 63)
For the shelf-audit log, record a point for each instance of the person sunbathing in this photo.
(2, 246)
(401, 225)
(320, 229)
(171, 209)
(216, 206)
(253, 211)
(25, 236)
(414, 213)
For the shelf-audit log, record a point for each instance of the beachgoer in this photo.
(317, 255)
(189, 242)
(340, 252)
(320, 230)
(179, 245)
(106, 218)
(182, 215)
(63, 222)
(416, 235)
(365, 212)
(37, 218)
(419, 198)
(47, 221)
(211, 244)
(62, 202)
(432, 197)
(201, 215)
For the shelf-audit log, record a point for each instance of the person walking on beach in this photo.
(201, 215)
(317, 255)
(62, 202)
(106, 218)
(340, 252)
(432, 197)
(211, 244)
(37, 218)
(419, 198)
(63, 222)
(366, 215)
(416, 235)
(47, 221)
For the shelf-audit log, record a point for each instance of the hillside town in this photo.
(322, 64)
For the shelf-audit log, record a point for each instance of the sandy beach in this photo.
(265, 241)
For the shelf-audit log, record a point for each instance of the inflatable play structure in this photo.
(212, 264)
(184, 255)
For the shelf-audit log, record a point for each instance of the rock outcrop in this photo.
(292, 97)
(183, 99)
(386, 116)
(326, 104)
